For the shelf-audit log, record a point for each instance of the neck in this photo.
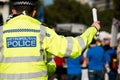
(92, 45)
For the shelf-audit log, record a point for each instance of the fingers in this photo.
(96, 24)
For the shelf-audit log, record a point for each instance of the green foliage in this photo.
(70, 11)
(105, 18)
(67, 11)
(117, 9)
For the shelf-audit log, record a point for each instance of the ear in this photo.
(33, 13)
(14, 11)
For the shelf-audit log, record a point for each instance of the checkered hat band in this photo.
(23, 3)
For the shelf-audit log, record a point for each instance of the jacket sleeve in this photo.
(51, 65)
(67, 46)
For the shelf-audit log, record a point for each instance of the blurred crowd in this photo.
(100, 58)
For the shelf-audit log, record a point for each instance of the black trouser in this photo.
(118, 76)
(95, 75)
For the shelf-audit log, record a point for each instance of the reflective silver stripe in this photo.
(21, 59)
(24, 75)
(28, 58)
(81, 42)
(42, 33)
(42, 36)
(69, 46)
(1, 42)
(1, 37)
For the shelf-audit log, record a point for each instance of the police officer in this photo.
(28, 45)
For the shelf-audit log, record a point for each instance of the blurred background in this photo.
(72, 17)
(71, 13)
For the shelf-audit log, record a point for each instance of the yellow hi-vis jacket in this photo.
(26, 43)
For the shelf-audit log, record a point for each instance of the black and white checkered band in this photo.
(23, 3)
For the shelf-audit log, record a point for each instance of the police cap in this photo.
(24, 2)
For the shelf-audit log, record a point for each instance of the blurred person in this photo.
(60, 70)
(118, 58)
(118, 71)
(112, 63)
(28, 45)
(95, 61)
(74, 68)
(111, 58)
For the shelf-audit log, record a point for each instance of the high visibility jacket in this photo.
(26, 43)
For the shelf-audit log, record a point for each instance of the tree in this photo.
(70, 11)
(105, 18)
(67, 11)
(116, 9)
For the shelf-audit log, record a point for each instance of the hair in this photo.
(28, 9)
(24, 5)
(93, 41)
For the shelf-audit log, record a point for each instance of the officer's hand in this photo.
(96, 25)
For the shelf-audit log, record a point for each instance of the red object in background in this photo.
(115, 64)
(59, 61)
